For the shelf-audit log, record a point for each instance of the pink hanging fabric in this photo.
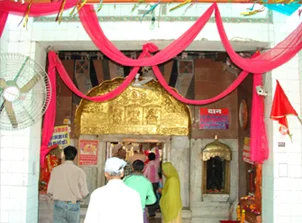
(179, 97)
(3, 18)
(50, 114)
(271, 59)
(91, 25)
(69, 83)
(55, 61)
(259, 145)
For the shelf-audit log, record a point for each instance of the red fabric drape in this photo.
(65, 77)
(91, 25)
(50, 114)
(277, 56)
(3, 18)
(273, 58)
(259, 145)
(267, 61)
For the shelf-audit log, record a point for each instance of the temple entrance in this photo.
(137, 121)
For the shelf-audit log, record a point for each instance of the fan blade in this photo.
(148, 79)
(3, 84)
(10, 113)
(30, 84)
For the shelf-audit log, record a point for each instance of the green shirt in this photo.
(143, 186)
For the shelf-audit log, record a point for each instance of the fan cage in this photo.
(36, 101)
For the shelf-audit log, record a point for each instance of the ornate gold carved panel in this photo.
(136, 111)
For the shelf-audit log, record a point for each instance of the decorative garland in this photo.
(267, 61)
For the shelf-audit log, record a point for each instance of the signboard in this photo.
(214, 118)
(88, 152)
(60, 136)
(246, 156)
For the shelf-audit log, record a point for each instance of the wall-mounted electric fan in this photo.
(24, 91)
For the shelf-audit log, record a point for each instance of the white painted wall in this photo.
(282, 173)
(20, 150)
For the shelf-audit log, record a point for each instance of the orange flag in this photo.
(281, 108)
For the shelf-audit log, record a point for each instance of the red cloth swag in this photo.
(259, 145)
(267, 61)
(3, 18)
(281, 108)
(50, 114)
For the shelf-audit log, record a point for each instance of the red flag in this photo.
(281, 108)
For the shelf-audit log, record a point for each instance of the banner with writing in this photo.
(246, 156)
(60, 136)
(214, 118)
(88, 152)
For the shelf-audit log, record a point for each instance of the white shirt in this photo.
(114, 203)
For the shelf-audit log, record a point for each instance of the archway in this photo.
(137, 111)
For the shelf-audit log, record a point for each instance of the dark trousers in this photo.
(152, 208)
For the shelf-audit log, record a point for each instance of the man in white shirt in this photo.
(114, 202)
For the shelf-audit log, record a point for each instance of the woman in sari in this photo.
(170, 202)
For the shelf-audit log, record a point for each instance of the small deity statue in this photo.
(117, 116)
(134, 117)
(52, 159)
(215, 174)
(152, 116)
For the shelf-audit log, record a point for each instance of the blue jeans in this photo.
(66, 212)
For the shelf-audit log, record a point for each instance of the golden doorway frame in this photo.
(137, 111)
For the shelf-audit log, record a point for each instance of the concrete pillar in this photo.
(20, 150)
(181, 160)
(282, 172)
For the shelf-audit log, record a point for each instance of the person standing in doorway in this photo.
(121, 154)
(114, 202)
(138, 154)
(67, 187)
(142, 185)
(151, 172)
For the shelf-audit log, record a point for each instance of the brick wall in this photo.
(211, 80)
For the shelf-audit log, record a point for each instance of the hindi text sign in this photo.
(213, 118)
(60, 136)
(88, 152)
